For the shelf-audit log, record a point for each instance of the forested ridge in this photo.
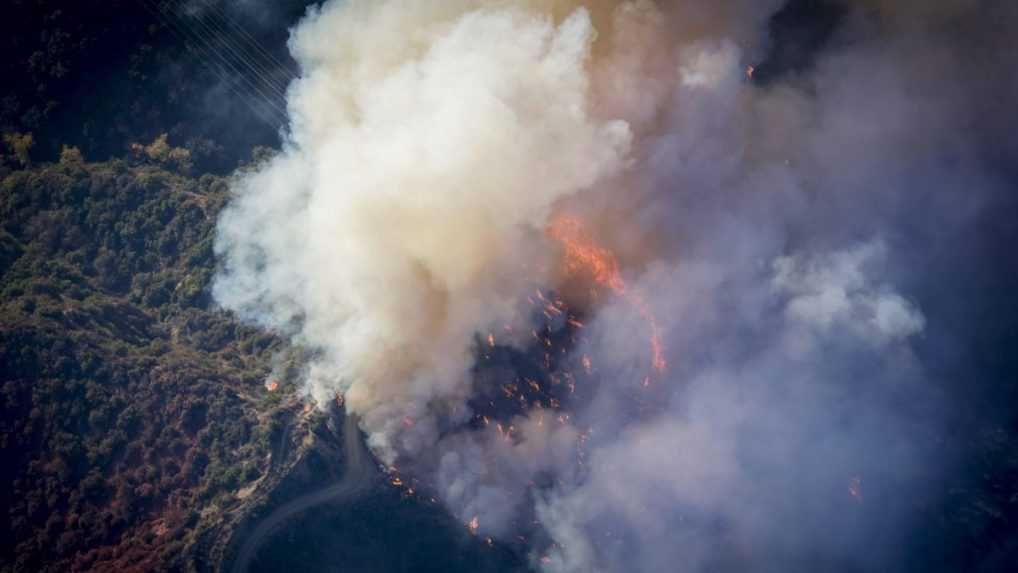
(131, 408)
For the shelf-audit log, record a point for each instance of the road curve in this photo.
(355, 480)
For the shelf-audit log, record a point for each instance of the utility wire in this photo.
(219, 65)
(216, 62)
(238, 54)
(258, 65)
(229, 56)
(291, 71)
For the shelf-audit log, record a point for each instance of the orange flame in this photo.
(584, 254)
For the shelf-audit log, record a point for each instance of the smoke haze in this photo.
(784, 234)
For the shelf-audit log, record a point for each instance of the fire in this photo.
(583, 254)
(272, 385)
(542, 396)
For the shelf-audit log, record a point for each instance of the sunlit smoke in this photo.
(454, 170)
(403, 214)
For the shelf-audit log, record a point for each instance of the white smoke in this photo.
(834, 293)
(430, 142)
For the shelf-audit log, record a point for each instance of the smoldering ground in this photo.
(812, 247)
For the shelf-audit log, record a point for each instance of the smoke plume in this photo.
(770, 239)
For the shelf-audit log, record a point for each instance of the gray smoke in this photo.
(776, 231)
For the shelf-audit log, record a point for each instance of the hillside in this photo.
(134, 416)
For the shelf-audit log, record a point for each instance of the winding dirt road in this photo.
(356, 479)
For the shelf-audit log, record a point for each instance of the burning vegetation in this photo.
(586, 258)
(546, 380)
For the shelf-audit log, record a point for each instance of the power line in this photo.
(215, 62)
(212, 36)
(251, 39)
(258, 65)
(219, 65)
(208, 39)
